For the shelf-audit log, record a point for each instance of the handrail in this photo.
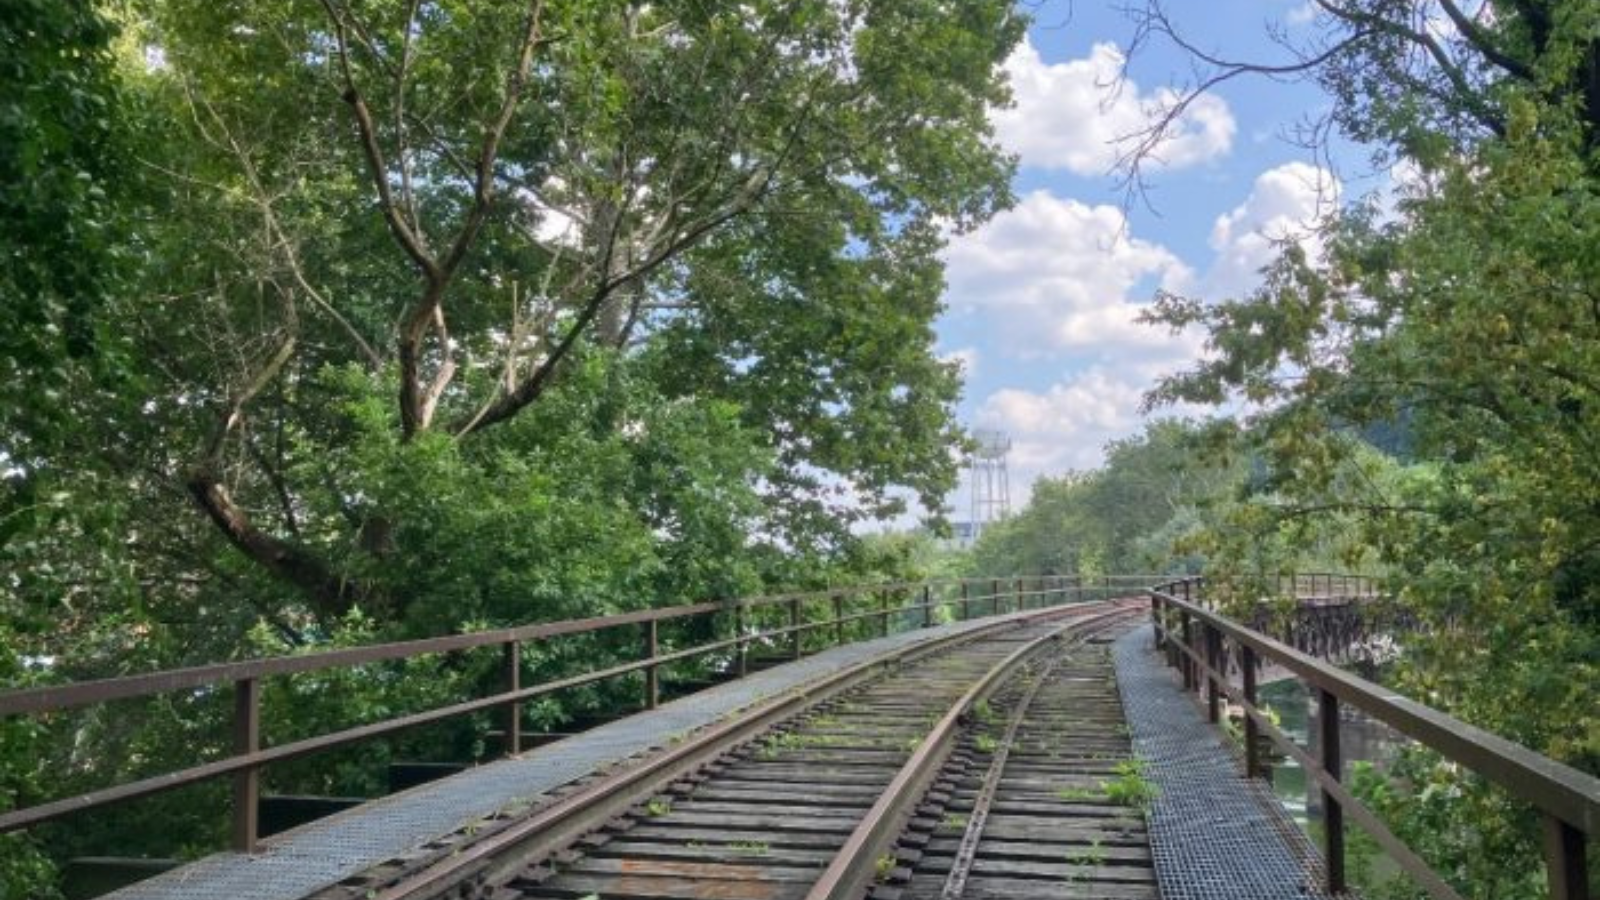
(248, 755)
(1568, 798)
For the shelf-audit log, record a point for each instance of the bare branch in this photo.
(410, 241)
(1481, 40)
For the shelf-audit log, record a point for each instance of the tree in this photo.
(1134, 514)
(745, 203)
(1469, 315)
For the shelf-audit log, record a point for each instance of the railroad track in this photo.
(1045, 801)
(953, 774)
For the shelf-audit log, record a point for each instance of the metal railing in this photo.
(1198, 641)
(839, 608)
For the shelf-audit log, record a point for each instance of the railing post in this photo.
(927, 606)
(838, 619)
(652, 673)
(794, 628)
(1213, 658)
(247, 781)
(1185, 661)
(511, 677)
(1156, 623)
(1567, 869)
(1332, 812)
(742, 648)
(1169, 622)
(966, 600)
(883, 612)
(1016, 588)
(1252, 732)
(994, 597)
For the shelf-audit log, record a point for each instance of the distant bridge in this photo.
(984, 738)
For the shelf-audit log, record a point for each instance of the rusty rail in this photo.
(963, 598)
(852, 870)
(1568, 800)
(495, 857)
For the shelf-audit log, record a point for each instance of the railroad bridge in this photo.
(1039, 738)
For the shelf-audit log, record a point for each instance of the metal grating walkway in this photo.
(1214, 834)
(309, 858)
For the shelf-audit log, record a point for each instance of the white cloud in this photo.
(1286, 203)
(1064, 427)
(1304, 14)
(1055, 274)
(1065, 281)
(1077, 116)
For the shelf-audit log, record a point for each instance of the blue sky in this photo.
(1042, 299)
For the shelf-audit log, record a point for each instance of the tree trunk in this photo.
(332, 595)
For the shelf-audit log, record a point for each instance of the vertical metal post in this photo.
(966, 599)
(652, 673)
(1213, 672)
(1567, 869)
(742, 649)
(1155, 621)
(1185, 661)
(794, 628)
(883, 613)
(1252, 732)
(927, 606)
(1016, 588)
(838, 619)
(1169, 622)
(994, 597)
(1332, 813)
(511, 677)
(247, 781)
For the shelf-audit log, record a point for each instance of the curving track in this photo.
(975, 770)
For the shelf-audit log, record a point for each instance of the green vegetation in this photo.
(1421, 399)
(332, 323)
(1079, 794)
(1131, 787)
(335, 323)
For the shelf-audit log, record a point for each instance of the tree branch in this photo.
(410, 241)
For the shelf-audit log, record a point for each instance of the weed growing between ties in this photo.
(1131, 787)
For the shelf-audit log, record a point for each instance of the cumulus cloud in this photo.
(1286, 203)
(1055, 274)
(1077, 116)
(1304, 14)
(1067, 281)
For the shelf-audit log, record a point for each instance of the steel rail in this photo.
(1553, 787)
(1568, 798)
(854, 867)
(967, 851)
(245, 763)
(54, 698)
(565, 820)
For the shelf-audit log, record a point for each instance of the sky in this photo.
(1043, 300)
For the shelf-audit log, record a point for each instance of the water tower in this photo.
(991, 487)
